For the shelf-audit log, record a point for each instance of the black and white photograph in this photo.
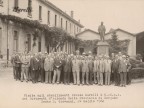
(71, 53)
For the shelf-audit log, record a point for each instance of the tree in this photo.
(114, 43)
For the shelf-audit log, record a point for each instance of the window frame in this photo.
(40, 13)
(1, 3)
(29, 7)
(16, 3)
(48, 17)
(55, 20)
(15, 39)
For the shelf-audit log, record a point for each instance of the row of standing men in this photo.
(60, 67)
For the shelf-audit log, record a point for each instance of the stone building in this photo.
(140, 43)
(15, 37)
(122, 35)
(87, 35)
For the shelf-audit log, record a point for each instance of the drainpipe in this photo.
(7, 35)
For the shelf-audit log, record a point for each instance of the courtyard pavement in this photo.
(16, 94)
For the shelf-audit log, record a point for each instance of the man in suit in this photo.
(67, 69)
(123, 69)
(85, 71)
(29, 70)
(90, 66)
(57, 69)
(25, 67)
(48, 67)
(76, 70)
(101, 70)
(115, 67)
(128, 71)
(41, 61)
(13, 64)
(107, 71)
(35, 68)
(96, 69)
(17, 62)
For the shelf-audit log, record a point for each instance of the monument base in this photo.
(102, 48)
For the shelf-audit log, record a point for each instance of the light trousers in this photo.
(56, 76)
(95, 77)
(107, 78)
(83, 77)
(123, 78)
(76, 77)
(48, 77)
(24, 73)
(100, 78)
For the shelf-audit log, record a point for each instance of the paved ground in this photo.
(15, 94)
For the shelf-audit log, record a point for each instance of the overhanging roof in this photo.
(86, 31)
(120, 30)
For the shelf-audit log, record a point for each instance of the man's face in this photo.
(101, 23)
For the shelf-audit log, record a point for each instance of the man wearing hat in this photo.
(35, 66)
(115, 67)
(13, 64)
(17, 61)
(96, 69)
(67, 69)
(128, 70)
(57, 69)
(25, 67)
(48, 67)
(76, 70)
(90, 66)
(123, 68)
(107, 62)
(85, 70)
(41, 61)
(101, 70)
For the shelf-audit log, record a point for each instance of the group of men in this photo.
(59, 67)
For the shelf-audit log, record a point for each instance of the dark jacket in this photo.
(41, 62)
(34, 63)
(124, 66)
(17, 61)
(12, 61)
(67, 65)
(115, 65)
(57, 63)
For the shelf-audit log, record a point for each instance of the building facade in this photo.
(140, 43)
(122, 35)
(14, 37)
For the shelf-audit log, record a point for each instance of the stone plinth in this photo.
(102, 48)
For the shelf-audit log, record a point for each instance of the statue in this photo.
(102, 30)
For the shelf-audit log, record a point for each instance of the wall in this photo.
(23, 31)
(124, 36)
(88, 35)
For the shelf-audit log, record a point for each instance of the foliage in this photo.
(90, 43)
(136, 62)
(55, 37)
(114, 43)
(118, 45)
(138, 56)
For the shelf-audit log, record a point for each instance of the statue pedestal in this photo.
(102, 48)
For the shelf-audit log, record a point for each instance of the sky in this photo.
(124, 14)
